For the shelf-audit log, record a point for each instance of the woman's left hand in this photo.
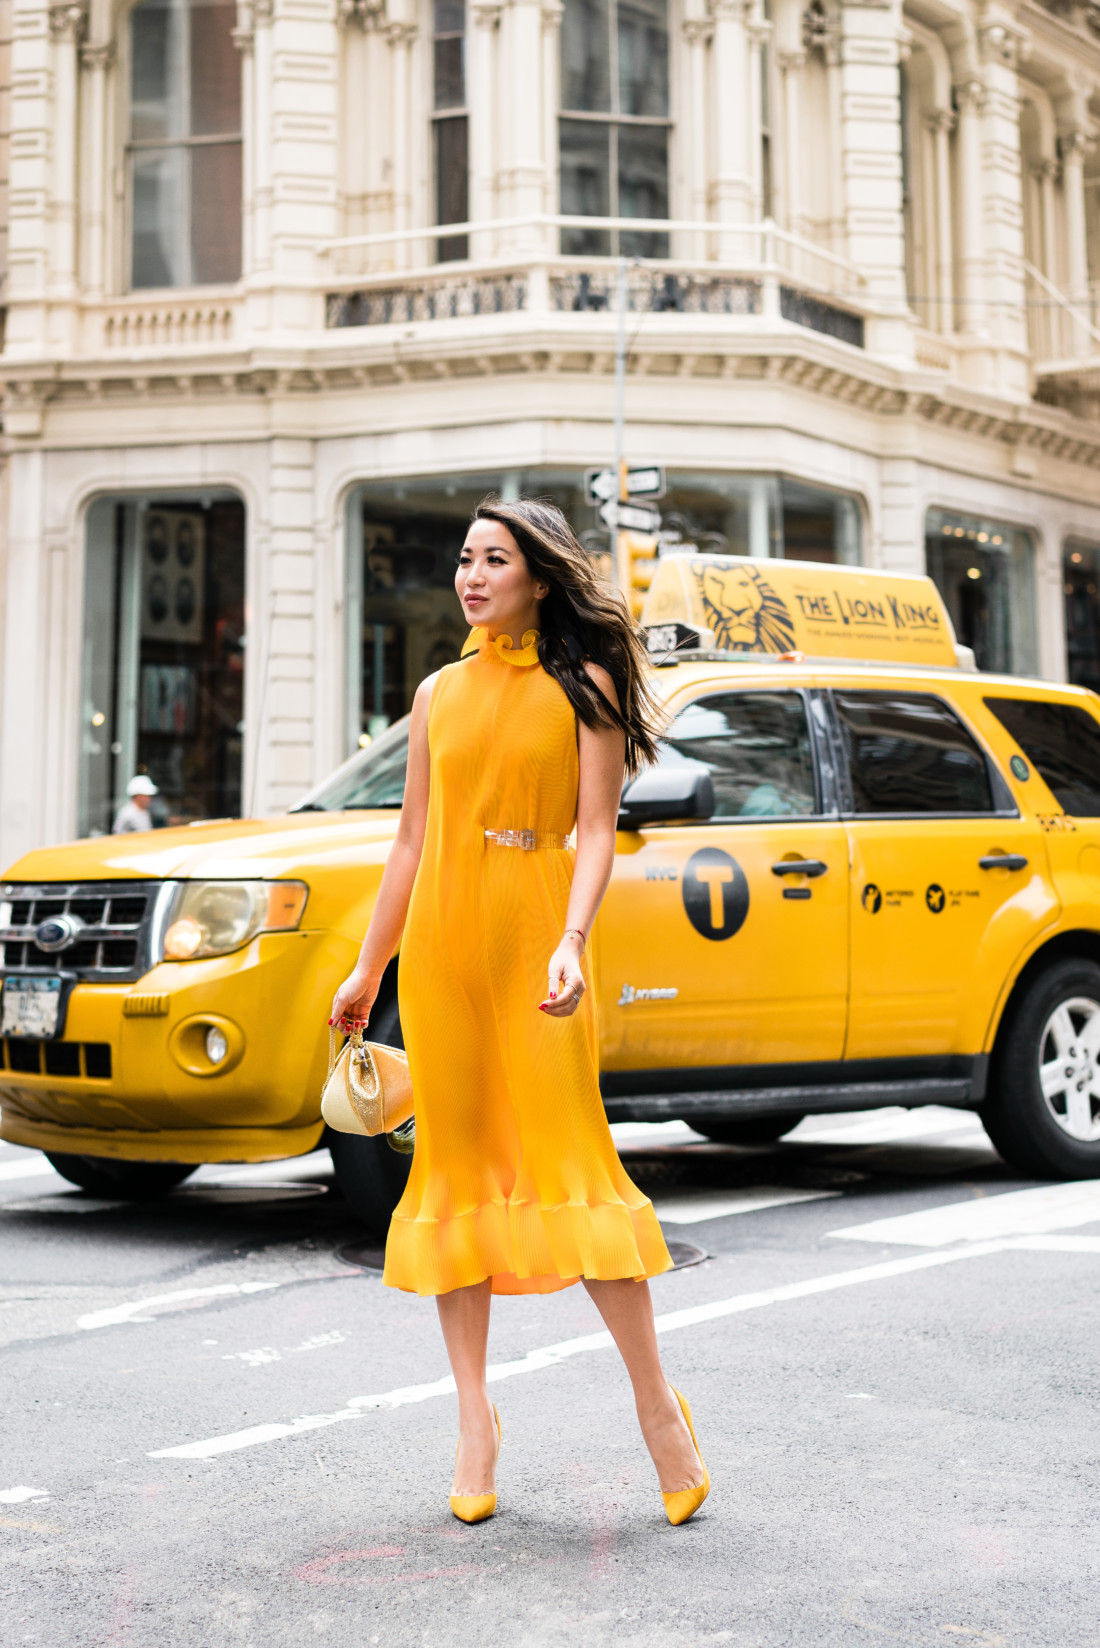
(566, 980)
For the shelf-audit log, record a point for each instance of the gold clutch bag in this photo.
(368, 1089)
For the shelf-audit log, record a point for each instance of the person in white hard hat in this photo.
(134, 813)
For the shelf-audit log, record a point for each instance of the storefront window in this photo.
(1080, 583)
(405, 620)
(404, 617)
(764, 515)
(163, 662)
(986, 574)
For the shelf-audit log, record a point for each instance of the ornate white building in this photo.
(252, 390)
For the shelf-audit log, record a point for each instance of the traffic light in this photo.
(637, 552)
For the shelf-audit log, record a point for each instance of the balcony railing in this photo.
(161, 322)
(1062, 334)
(726, 269)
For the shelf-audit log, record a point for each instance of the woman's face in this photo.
(494, 583)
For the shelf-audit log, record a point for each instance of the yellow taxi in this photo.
(861, 874)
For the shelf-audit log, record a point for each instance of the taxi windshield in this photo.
(375, 777)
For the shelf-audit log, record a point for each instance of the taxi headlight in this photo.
(211, 918)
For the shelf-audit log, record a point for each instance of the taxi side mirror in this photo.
(664, 796)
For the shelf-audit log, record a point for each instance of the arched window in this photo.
(184, 152)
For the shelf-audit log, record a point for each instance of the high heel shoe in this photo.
(686, 1501)
(478, 1507)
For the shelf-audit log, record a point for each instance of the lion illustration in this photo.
(744, 610)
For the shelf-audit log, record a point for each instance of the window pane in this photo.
(756, 747)
(452, 174)
(984, 571)
(585, 184)
(215, 213)
(907, 753)
(156, 72)
(450, 76)
(643, 57)
(215, 70)
(1081, 566)
(449, 16)
(1062, 742)
(159, 205)
(643, 185)
(586, 56)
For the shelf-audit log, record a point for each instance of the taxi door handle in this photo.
(800, 866)
(1003, 861)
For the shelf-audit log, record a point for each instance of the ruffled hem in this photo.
(525, 1248)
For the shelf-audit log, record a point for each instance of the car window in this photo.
(907, 752)
(374, 778)
(1062, 742)
(756, 747)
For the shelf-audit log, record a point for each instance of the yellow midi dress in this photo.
(514, 1175)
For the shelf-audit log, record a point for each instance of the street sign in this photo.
(630, 517)
(600, 485)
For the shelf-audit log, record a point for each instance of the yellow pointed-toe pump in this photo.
(477, 1507)
(684, 1503)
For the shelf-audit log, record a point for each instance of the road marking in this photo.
(1016, 1213)
(20, 1496)
(889, 1126)
(549, 1356)
(132, 1312)
(268, 1353)
(33, 1167)
(692, 1207)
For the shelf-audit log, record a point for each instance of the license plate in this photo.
(30, 1007)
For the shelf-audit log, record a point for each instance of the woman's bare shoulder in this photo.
(602, 680)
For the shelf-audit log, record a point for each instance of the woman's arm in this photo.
(602, 765)
(353, 1001)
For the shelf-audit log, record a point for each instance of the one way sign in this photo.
(601, 485)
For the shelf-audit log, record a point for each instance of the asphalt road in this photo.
(217, 1432)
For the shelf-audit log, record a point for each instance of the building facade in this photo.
(289, 284)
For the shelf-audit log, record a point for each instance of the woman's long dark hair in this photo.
(582, 619)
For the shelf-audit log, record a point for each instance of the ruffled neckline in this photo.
(525, 654)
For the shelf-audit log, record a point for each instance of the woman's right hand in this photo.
(353, 1001)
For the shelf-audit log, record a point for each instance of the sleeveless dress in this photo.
(514, 1175)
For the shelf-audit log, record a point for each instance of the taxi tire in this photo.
(130, 1181)
(370, 1173)
(744, 1129)
(1015, 1115)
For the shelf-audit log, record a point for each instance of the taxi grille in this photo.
(110, 929)
(82, 1059)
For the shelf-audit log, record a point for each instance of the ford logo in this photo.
(57, 934)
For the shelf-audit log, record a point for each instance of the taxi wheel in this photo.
(130, 1180)
(744, 1129)
(371, 1173)
(1043, 1113)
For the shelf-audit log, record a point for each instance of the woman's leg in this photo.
(464, 1318)
(627, 1311)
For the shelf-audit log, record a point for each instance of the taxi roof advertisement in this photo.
(798, 606)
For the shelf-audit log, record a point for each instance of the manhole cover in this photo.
(368, 1257)
(363, 1254)
(685, 1254)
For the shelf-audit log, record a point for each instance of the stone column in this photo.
(96, 155)
(551, 101)
(1002, 208)
(521, 168)
(481, 99)
(1072, 146)
(758, 32)
(68, 23)
(400, 37)
(732, 185)
(698, 34)
(940, 124)
(791, 65)
(970, 98)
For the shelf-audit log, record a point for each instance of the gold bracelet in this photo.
(579, 934)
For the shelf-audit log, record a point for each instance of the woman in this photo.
(515, 1185)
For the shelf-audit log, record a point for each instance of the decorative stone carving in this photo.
(1046, 170)
(69, 22)
(551, 17)
(940, 120)
(970, 97)
(98, 58)
(698, 31)
(1004, 43)
(368, 14)
(821, 31)
(791, 61)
